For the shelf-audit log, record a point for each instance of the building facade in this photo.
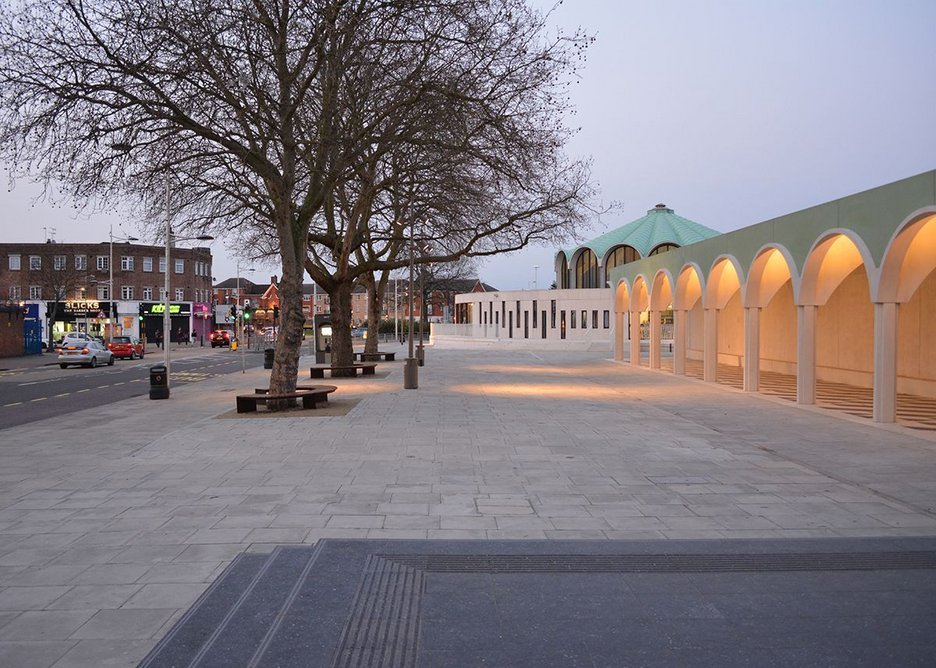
(841, 295)
(72, 285)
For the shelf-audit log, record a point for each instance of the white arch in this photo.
(902, 269)
(656, 285)
(680, 286)
(713, 297)
(759, 289)
(815, 292)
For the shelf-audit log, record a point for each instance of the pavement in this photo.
(113, 523)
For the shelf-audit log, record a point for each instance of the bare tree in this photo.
(246, 117)
(57, 278)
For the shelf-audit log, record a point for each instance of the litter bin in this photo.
(268, 358)
(159, 382)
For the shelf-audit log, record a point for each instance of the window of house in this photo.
(552, 308)
(595, 319)
(81, 262)
(584, 319)
(148, 294)
(607, 319)
(35, 262)
(162, 265)
(179, 294)
(126, 263)
(103, 293)
(562, 324)
(147, 264)
(162, 294)
(59, 262)
(35, 292)
(572, 319)
(534, 314)
(126, 292)
(14, 263)
(103, 263)
(14, 293)
(180, 266)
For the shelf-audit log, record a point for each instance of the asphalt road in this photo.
(41, 392)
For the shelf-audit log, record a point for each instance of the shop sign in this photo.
(159, 309)
(82, 308)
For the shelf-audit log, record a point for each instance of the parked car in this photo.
(86, 353)
(126, 347)
(70, 337)
(220, 337)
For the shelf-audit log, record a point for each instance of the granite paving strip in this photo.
(494, 444)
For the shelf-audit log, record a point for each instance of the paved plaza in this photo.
(114, 521)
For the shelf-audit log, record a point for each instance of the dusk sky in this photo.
(730, 112)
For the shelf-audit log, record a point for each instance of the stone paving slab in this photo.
(493, 445)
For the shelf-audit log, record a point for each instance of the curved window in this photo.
(662, 248)
(622, 255)
(563, 273)
(586, 270)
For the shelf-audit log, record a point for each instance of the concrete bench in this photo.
(374, 357)
(345, 371)
(247, 403)
(320, 392)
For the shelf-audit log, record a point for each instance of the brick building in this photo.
(71, 283)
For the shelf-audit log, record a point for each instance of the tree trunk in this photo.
(342, 350)
(283, 378)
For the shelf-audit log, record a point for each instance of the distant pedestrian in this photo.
(158, 338)
(194, 336)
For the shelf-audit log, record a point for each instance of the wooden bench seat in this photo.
(247, 403)
(374, 357)
(320, 392)
(345, 371)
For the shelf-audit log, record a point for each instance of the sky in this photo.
(730, 112)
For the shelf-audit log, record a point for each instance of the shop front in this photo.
(201, 322)
(79, 315)
(180, 321)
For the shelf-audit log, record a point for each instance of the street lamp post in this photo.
(535, 267)
(410, 366)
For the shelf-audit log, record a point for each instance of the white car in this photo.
(90, 352)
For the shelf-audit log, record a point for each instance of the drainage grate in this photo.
(666, 563)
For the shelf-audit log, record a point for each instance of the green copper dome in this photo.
(660, 226)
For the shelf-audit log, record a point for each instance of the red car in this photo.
(127, 347)
(220, 337)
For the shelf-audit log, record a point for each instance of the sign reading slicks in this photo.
(83, 305)
(83, 308)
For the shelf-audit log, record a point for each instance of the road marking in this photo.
(101, 387)
(87, 389)
(39, 399)
(61, 395)
(116, 384)
(15, 403)
(35, 382)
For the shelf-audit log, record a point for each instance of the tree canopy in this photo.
(321, 131)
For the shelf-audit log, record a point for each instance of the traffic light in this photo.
(141, 309)
(247, 313)
(233, 312)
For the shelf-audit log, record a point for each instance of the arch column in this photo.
(680, 317)
(806, 354)
(635, 338)
(710, 345)
(751, 349)
(885, 362)
(619, 335)
(656, 331)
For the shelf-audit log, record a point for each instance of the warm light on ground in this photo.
(577, 392)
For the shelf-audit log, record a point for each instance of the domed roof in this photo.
(661, 225)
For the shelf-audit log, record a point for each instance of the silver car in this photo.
(86, 353)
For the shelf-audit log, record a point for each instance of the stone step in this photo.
(229, 625)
